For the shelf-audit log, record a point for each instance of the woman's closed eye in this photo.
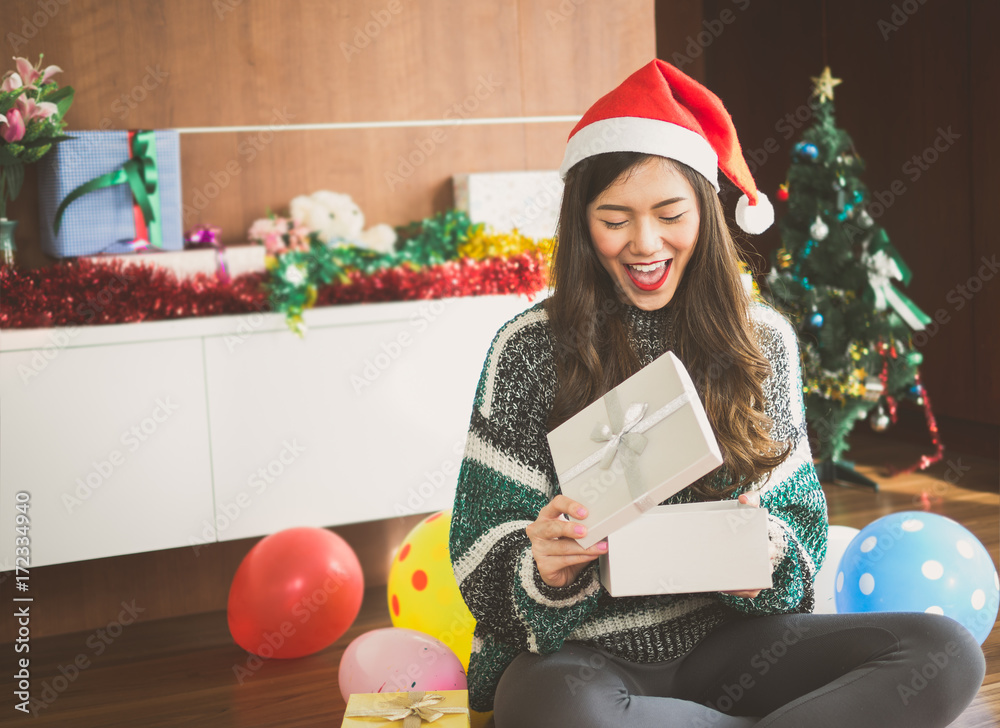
(611, 225)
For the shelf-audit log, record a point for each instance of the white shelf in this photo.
(362, 419)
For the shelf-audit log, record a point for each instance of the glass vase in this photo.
(7, 247)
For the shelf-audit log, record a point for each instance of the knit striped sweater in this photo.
(507, 476)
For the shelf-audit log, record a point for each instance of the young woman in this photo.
(645, 264)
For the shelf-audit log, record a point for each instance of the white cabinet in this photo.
(111, 442)
(147, 436)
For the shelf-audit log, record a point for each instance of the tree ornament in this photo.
(865, 220)
(819, 229)
(823, 85)
(915, 358)
(807, 150)
(782, 192)
(816, 320)
(784, 259)
(879, 420)
(874, 388)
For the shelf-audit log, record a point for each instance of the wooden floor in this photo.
(180, 672)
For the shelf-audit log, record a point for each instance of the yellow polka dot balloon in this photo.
(423, 594)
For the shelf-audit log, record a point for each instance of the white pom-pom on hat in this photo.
(754, 219)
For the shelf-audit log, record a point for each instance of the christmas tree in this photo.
(834, 277)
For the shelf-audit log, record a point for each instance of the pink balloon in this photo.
(394, 659)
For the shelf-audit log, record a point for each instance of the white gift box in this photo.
(642, 442)
(528, 201)
(184, 263)
(689, 547)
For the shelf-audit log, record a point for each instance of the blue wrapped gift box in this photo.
(103, 221)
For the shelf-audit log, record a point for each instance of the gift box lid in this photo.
(689, 547)
(672, 433)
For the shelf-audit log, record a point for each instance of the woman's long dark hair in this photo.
(713, 332)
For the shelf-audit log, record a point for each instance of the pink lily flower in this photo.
(14, 131)
(31, 109)
(11, 82)
(30, 74)
(298, 236)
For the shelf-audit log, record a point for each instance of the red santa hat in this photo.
(660, 110)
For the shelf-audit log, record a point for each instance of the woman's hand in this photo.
(559, 557)
(752, 499)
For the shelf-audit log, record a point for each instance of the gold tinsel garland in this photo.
(849, 383)
(484, 242)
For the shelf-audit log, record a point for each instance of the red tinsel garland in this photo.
(84, 292)
(925, 461)
(523, 274)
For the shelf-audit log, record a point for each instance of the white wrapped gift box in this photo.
(689, 547)
(528, 201)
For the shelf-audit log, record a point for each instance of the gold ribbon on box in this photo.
(413, 709)
(625, 440)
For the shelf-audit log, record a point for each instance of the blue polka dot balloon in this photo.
(920, 562)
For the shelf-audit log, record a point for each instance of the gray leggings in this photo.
(884, 670)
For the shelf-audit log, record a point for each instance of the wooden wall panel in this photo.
(215, 67)
(902, 84)
(561, 75)
(984, 62)
(394, 174)
(678, 25)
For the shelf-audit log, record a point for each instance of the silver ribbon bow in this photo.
(624, 436)
(413, 709)
(882, 270)
(625, 440)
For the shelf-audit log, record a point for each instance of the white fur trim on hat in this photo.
(757, 218)
(647, 136)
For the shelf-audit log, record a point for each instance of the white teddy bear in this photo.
(333, 215)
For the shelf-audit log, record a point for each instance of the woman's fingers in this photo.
(554, 529)
(751, 499)
(554, 545)
(562, 505)
(566, 547)
(745, 593)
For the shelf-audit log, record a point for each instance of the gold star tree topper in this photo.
(823, 86)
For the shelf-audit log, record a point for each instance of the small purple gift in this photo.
(111, 192)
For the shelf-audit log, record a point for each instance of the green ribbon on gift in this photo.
(140, 174)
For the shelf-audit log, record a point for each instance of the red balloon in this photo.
(295, 593)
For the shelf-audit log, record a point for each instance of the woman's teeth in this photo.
(647, 268)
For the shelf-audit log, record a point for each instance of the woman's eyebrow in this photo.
(623, 208)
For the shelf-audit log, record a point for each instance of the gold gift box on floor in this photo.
(440, 708)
